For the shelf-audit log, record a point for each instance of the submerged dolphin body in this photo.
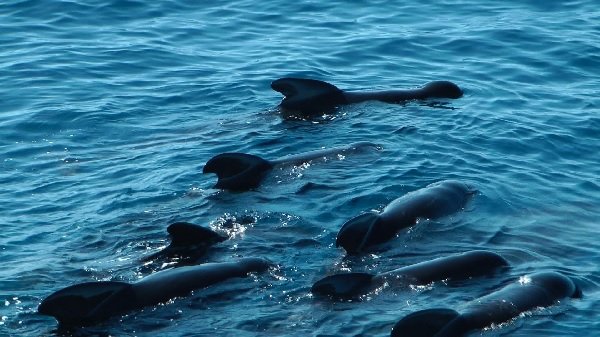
(454, 267)
(188, 242)
(307, 96)
(241, 171)
(530, 292)
(434, 201)
(92, 302)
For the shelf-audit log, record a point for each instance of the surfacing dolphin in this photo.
(434, 201)
(241, 171)
(188, 242)
(92, 302)
(309, 96)
(530, 292)
(454, 267)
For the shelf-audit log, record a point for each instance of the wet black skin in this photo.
(92, 302)
(434, 201)
(537, 290)
(243, 172)
(310, 97)
(453, 268)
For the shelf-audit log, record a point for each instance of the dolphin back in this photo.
(529, 292)
(167, 284)
(533, 291)
(87, 303)
(454, 267)
(434, 201)
(91, 302)
(428, 323)
(431, 202)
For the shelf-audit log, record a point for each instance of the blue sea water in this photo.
(109, 109)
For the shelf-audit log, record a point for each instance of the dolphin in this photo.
(434, 201)
(537, 290)
(454, 267)
(309, 96)
(241, 171)
(92, 302)
(188, 242)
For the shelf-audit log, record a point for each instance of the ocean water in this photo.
(109, 110)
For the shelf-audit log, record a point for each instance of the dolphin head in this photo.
(556, 285)
(442, 89)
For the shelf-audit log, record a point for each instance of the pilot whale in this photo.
(308, 96)
(92, 302)
(538, 290)
(434, 201)
(241, 171)
(188, 242)
(454, 267)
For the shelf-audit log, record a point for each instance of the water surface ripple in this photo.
(109, 109)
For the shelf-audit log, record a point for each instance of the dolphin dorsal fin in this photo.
(184, 234)
(355, 233)
(308, 96)
(79, 303)
(237, 171)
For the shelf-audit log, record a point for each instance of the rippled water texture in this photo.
(109, 109)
